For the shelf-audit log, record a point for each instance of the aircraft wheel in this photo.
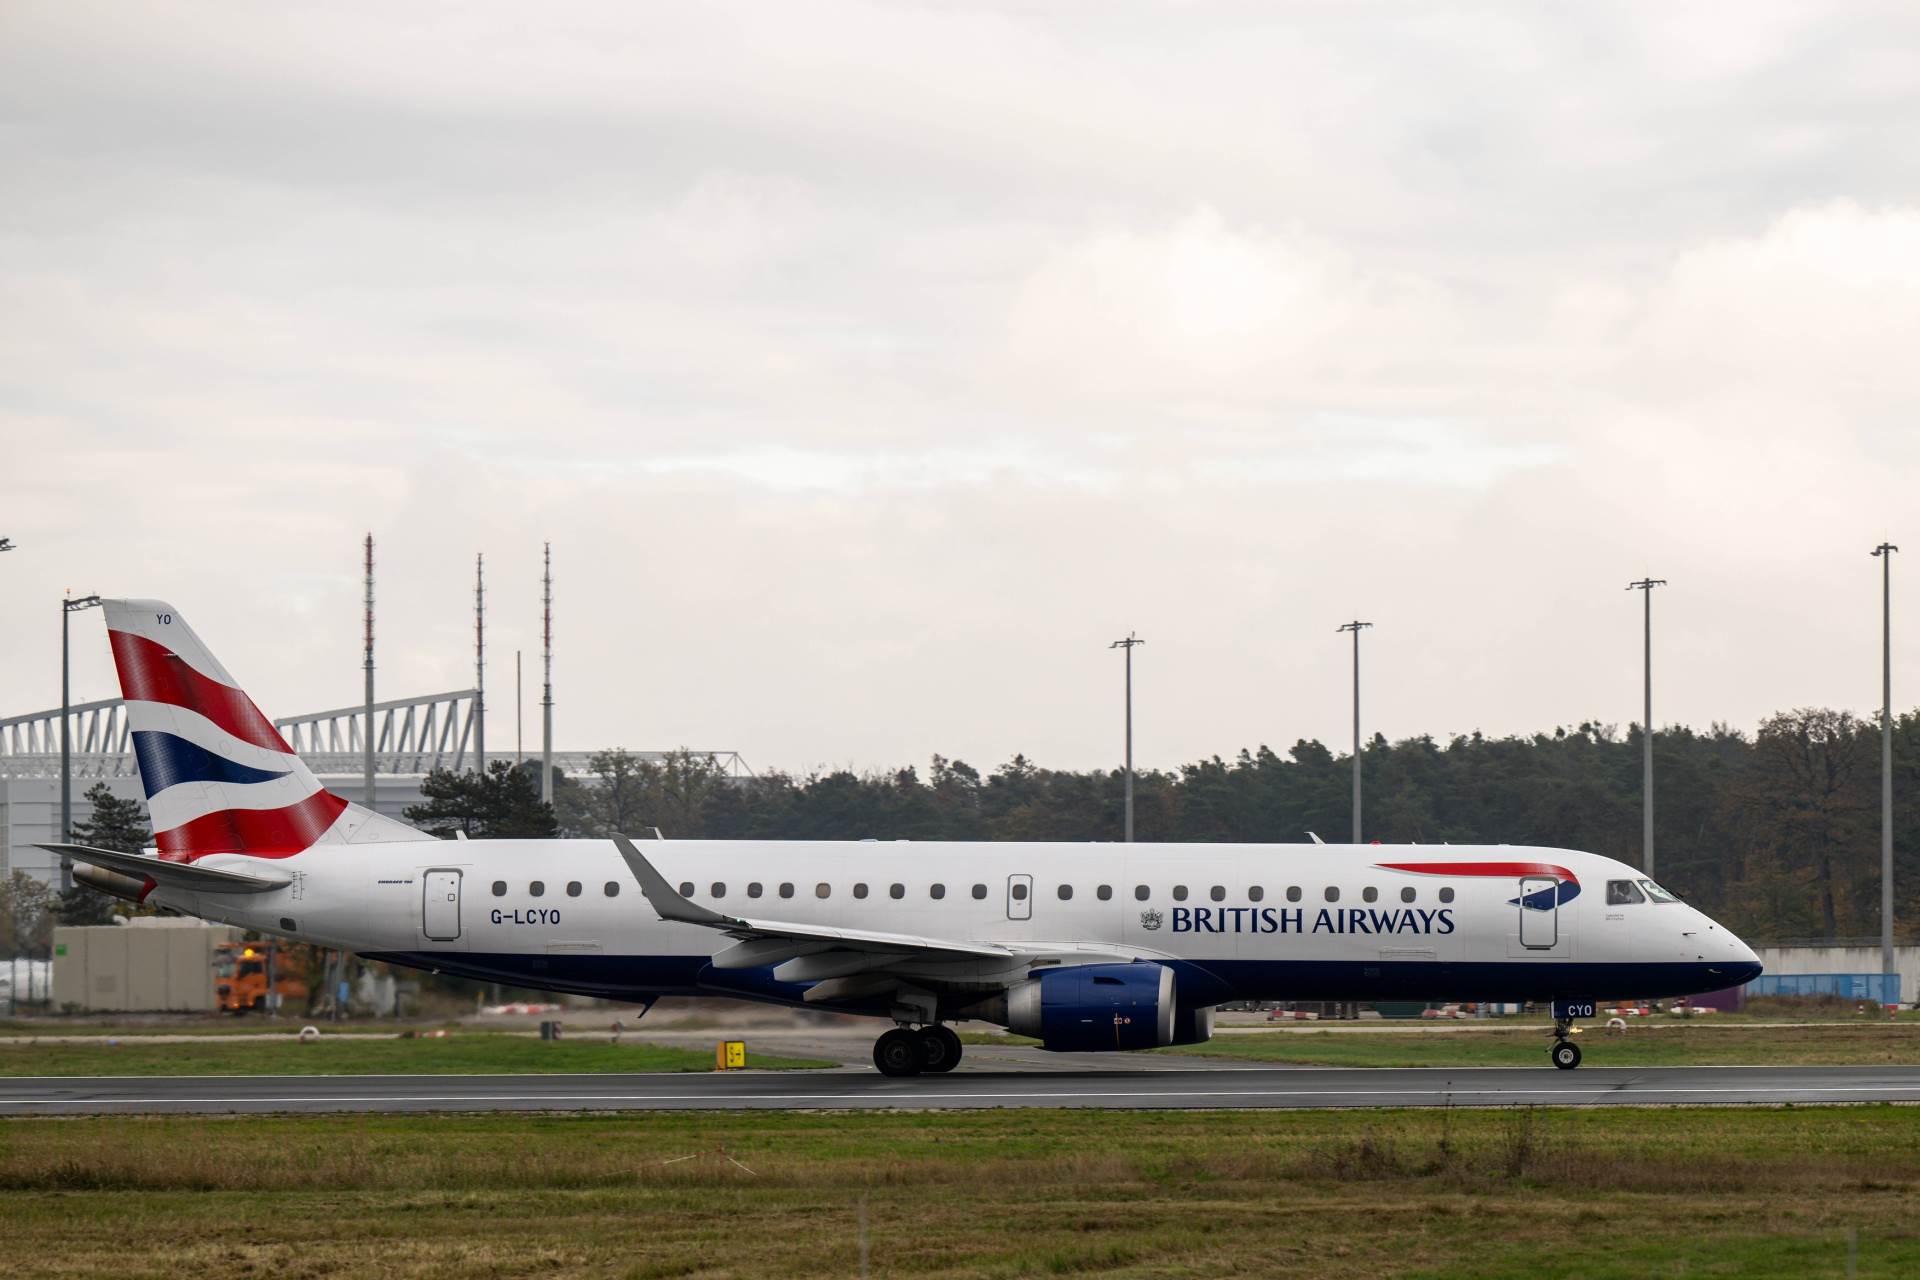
(939, 1048)
(1566, 1055)
(899, 1053)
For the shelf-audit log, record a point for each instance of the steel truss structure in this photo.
(412, 737)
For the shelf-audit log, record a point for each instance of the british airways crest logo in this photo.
(1151, 919)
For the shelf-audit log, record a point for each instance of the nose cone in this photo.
(1741, 964)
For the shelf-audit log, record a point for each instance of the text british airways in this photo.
(1326, 920)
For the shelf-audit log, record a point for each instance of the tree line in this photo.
(1774, 833)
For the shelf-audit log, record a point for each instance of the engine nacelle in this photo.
(1192, 1024)
(1097, 1006)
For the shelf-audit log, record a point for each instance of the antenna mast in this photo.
(366, 741)
(480, 663)
(546, 700)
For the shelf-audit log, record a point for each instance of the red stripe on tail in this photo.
(263, 833)
(149, 672)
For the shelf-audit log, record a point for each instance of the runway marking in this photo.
(896, 1098)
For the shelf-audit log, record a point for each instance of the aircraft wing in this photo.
(179, 875)
(670, 905)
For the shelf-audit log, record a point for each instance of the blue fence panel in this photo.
(1878, 988)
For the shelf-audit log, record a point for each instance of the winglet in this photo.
(661, 896)
(1316, 839)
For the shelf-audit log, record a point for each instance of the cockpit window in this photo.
(1655, 892)
(1622, 893)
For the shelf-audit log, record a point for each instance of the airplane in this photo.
(1082, 947)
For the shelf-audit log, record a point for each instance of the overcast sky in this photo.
(871, 367)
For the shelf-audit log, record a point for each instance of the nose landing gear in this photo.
(905, 1051)
(1565, 1053)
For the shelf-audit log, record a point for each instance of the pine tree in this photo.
(503, 805)
(115, 824)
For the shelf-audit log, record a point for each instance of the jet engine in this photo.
(1099, 1006)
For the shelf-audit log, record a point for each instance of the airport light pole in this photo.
(1884, 552)
(1356, 626)
(68, 607)
(1128, 644)
(1646, 586)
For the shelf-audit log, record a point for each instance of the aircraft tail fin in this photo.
(219, 777)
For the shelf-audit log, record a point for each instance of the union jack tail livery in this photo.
(219, 777)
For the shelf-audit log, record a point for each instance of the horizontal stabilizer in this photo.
(178, 875)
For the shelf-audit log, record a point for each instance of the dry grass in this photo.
(1620, 1192)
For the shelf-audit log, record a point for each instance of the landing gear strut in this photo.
(1565, 1053)
(904, 1051)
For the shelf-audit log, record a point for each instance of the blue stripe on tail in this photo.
(167, 761)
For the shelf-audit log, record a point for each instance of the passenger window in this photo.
(860, 890)
(719, 889)
(1446, 895)
(1020, 892)
(1066, 892)
(1179, 893)
(1104, 893)
(1333, 894)
(537, 888)
(753, 889)
(980, 891)
(1255, 893)
(573, 888)
(1139, 893)
(896, 891)
(822, 890)
(1406, 894)
(686, 889)
(1293, 893)
(786, 888)
(1369, 894)
(1218, 893)
(936, 891)
(1621, 893)
(613, 888)
(499, 888)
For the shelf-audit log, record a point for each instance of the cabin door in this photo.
(440, 905)
(1539, 913)
(1019, 897)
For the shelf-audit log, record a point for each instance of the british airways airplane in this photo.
(1084, 947)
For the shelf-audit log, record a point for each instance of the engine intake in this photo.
(1096, 1006)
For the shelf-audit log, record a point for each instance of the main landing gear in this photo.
(1565, 1053)
(905, 1051)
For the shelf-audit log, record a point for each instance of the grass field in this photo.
(1838, 1044)
(1602, 1194)
(476, 1054)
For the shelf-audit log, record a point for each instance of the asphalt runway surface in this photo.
(1177, 1089)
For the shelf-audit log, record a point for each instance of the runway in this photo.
(1256, 1087)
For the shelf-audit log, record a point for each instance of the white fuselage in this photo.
(1300, 922)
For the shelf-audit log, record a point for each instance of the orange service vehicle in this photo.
(240, 972)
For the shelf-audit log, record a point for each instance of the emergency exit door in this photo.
(1539, 913)
(1020, 897)
(440, 906)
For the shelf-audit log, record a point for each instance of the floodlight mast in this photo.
(1128, 644)
(1356, 626)
(1645, 586)
(1884, 553)
(68, 607)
